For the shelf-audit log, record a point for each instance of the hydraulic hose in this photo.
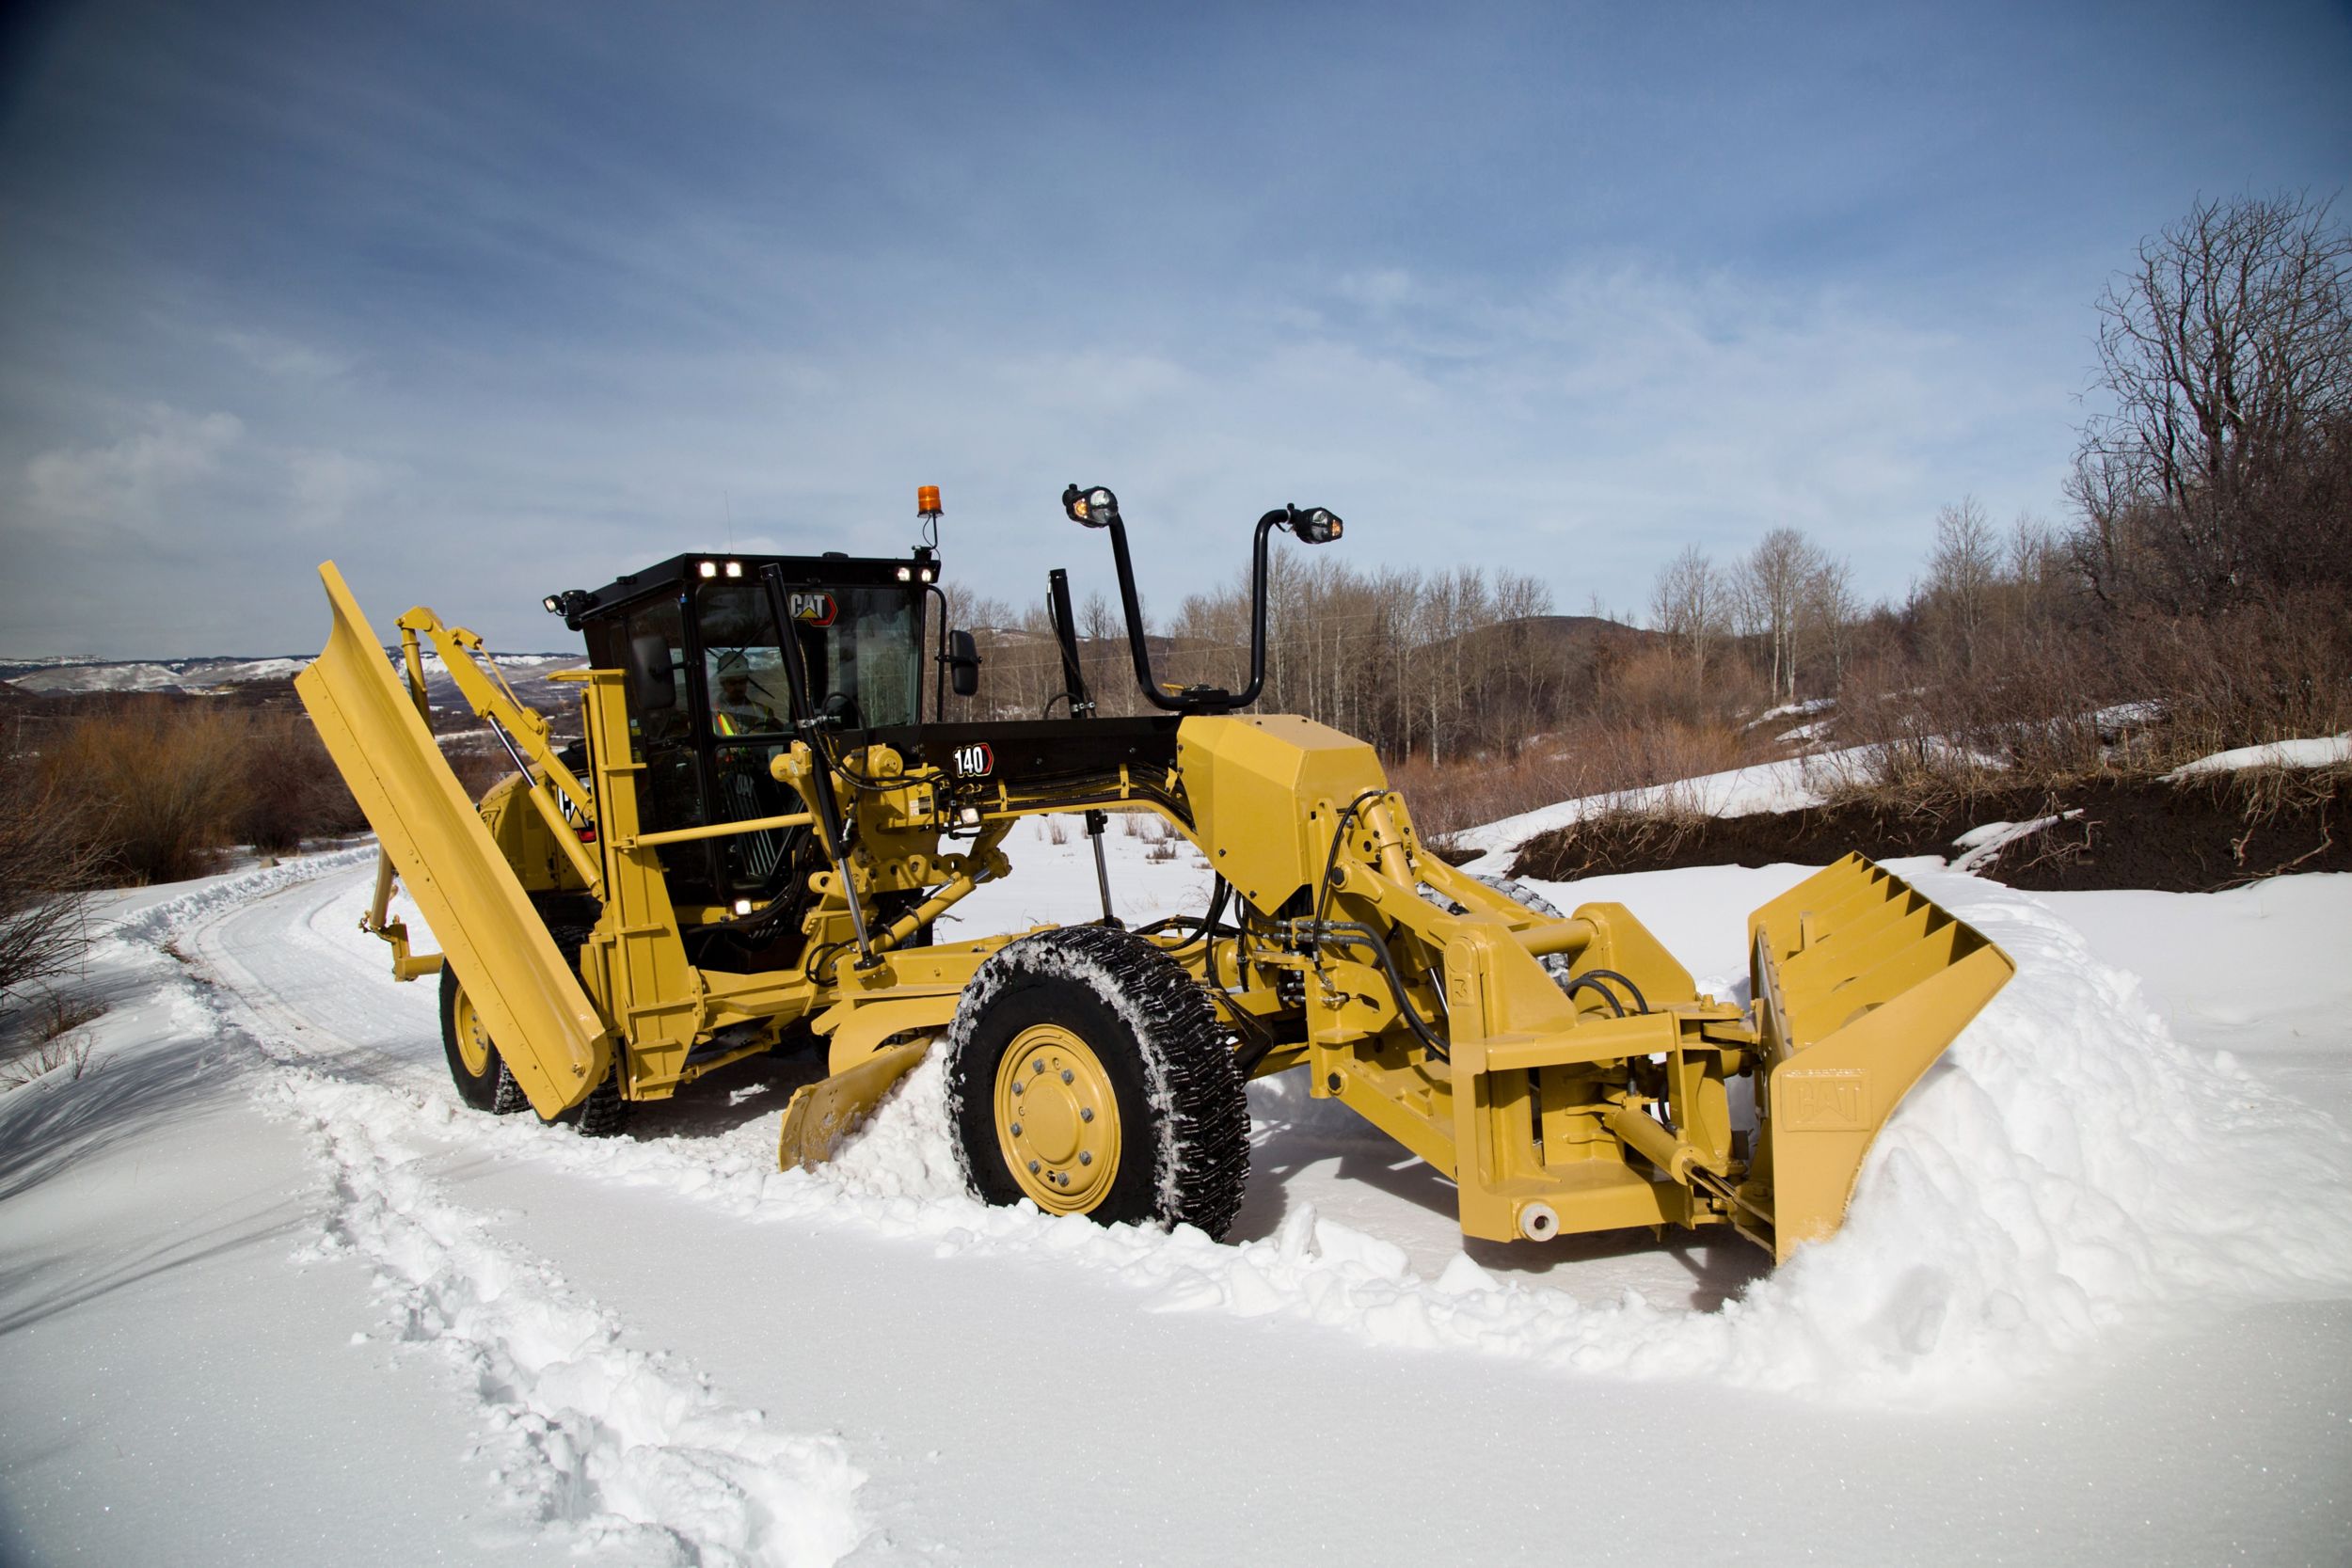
(1358, 932)
(1584, 982)
(1641, 1004)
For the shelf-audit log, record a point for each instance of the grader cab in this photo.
(771, 809)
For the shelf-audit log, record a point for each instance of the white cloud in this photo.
(1380, 289)
(323, 486)
(283, 357)
(126, 483)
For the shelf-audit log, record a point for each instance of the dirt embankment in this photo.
(2110, 832)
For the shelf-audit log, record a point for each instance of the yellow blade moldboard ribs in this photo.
(1860, 983)
(541, 1020)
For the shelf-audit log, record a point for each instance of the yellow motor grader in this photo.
(750, 847)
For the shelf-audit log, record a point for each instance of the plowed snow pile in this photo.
(2067, 1168)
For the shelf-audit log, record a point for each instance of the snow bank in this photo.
(159, 922)
(2069, 1172)
(1770, 786)
(2326, 751)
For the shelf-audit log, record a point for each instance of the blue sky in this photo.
(484, 300)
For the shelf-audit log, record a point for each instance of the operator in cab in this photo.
(736, 710)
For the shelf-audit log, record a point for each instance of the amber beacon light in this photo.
(927, 500)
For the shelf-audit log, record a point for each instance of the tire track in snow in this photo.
(632, 1450)
(628, 1452)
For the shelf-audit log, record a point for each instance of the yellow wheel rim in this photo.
(473, 1040)
(1056, 1119)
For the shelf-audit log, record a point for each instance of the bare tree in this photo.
(1770, 588)
(1963, 573)
(1834, 610)
(2226, 461)
(1691, 606)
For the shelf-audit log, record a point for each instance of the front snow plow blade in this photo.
(824, 1115)
(545, 1028)
(1861, 982)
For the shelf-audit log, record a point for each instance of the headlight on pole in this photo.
(1096, 507)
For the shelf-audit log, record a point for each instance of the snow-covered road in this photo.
(267, 1294)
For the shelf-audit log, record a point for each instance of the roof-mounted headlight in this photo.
(1096, 507)
(1315, 525)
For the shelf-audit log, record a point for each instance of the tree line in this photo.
(2206, 563)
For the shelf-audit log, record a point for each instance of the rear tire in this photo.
(484, 1080)
(1088, 1074)
(474, 1063)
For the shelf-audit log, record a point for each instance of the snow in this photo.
(102, 678)
(2324, 751)
(1981, 846)
(2096, 1292)
(253, 670)
(1769, 786)
(1797, 782)
(209, 674)
(1805, 710)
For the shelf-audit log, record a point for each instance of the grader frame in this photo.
(1425, 1000)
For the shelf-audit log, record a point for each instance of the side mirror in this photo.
(652, 679)
(963, 664)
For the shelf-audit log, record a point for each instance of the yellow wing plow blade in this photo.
(543, 1024)
(1861, 982)
(822, 1115)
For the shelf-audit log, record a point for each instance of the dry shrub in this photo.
(293, 790)
(1454, 797)
(2259, 674)
(1641, 752)
(1931, 732)
(167, 778)
(2271, 798)
(165, 784)
(477, 761)
(1614, 837)
(1652, 686)
(1592, 757)
(48, 855)
(57, 1042)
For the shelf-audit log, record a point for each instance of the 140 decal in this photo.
(975, 760)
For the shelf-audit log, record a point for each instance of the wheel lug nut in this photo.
(1085, 1157)
(1018, 1086)
(1033, 1167)
(1085, 1113)
(1016, 1129)
(1066, 1075)
(1037, 1066)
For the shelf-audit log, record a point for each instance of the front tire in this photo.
(1088, 1074)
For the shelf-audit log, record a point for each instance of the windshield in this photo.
(859, 645)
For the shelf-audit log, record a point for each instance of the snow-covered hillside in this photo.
(61, 677)
(268, 1294)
